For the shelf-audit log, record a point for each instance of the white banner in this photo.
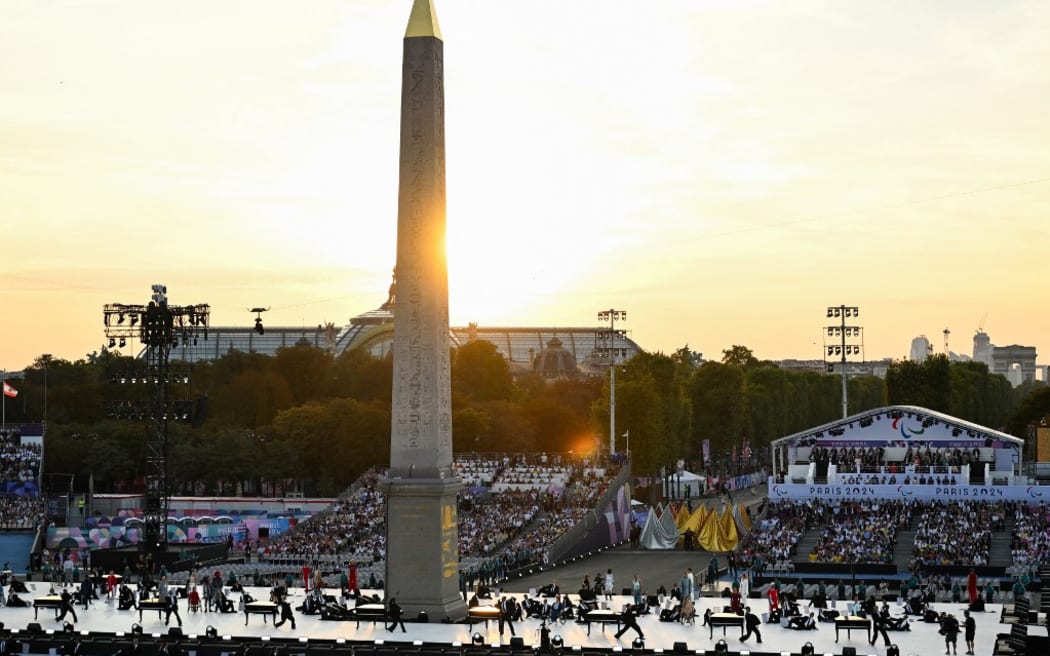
(1033, 493)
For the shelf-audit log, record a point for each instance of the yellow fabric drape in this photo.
(709, 536)
(681, 518)
(728, 534)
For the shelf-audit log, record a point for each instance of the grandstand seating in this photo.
(512, 510)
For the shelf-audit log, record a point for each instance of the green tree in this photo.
(358, 375)
(927, 384)
(719, 407)
(307, 370)
(740, 356)
(480, 372)
(252, 399)
(1031, 410)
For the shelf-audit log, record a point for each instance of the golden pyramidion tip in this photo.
(423, 20)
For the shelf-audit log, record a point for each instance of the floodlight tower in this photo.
(159, 327)
(843, 349)
(609, 340)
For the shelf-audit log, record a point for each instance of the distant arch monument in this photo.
(1005, 357)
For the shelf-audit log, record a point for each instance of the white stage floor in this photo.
(922, 640)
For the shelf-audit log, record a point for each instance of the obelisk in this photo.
(422, 563)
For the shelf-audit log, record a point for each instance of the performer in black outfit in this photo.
(629, 621)
(172, 608)
(286, 613)
(67, 606)
(507, 606)
(393, 613)
(878, 622)
(751, 622)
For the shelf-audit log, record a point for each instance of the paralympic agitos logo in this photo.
(905, 431)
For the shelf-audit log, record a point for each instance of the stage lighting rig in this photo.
(159, 327)
(842, 331)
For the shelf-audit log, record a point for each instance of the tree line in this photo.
(305, 420)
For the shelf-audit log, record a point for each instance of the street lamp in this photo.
(842, 331)
(609, 340)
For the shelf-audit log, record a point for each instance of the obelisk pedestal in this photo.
(422, 551)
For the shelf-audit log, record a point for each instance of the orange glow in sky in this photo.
(722, 170)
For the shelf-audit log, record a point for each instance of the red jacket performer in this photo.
(971, 585)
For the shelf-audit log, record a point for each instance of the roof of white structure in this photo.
(899, 424)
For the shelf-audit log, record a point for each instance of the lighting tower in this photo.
(159, 327)
(609, 340)
(843, 349)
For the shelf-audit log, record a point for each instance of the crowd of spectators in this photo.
(913, 478)
(21, 512)
(19, 463)
(1030, 540)
(942, 456)
(561, 513)
(490, 522)
(354, 527)
(848, 457)
(863, 531)
(776, 537)
(20, 506)
(956, 532)
(498, 530)
(894, 460)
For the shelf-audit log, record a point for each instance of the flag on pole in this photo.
(10, 391)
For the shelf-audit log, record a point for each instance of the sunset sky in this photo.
(722, 170)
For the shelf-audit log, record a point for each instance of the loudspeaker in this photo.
(1033, 617)
(680, 648)
(34, 627)
(175, 632)
(264, 532)
(517, 642)
(893, 650)
(849, 651)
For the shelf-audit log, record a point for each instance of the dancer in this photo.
(751, 623)
(393, 613)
